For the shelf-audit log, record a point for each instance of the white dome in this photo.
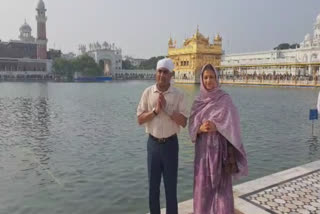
(41, 5)
(307, 37)
(25, 28)
(318, 19)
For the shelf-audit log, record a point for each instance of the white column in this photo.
(309, 70)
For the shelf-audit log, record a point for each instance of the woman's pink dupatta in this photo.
(217, 107)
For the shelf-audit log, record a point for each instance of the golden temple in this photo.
(196, 52)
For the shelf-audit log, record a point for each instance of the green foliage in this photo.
(83, 64)
(294, 46)
(87, 66)
(63, 68)
(126, 64)
(101, 64)
(150, 63)
(284, 46)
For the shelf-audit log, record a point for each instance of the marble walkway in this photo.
(293, 191)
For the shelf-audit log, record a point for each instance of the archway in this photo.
(314, 57)
(106, 65)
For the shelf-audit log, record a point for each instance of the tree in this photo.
(101, 64)
(126, 64)
(150, 63)
(83, 64)
(63, 68)
(282, 46)
(86, 65)
(294, 46)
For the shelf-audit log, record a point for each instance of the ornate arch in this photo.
(305, 58)
(313, 57)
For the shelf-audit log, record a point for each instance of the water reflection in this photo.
(189, 89)
(25, 123)
(41, 130)
(313, 144)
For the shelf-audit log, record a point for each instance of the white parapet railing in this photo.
(184, 81)
(134, 74)
(23, 72)
(271, 82)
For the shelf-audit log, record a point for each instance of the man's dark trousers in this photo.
(163, 160)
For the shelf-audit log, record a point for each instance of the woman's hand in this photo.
(207, 126)
(211, 127)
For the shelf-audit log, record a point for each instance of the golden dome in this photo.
(170, 42)
(217, 38)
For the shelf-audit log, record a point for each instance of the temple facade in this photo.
(195, 52)
(299, 63)
(26, 58)
(105, 54)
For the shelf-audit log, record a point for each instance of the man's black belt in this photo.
(163, 140)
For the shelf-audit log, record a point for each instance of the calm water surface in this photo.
(76, 148)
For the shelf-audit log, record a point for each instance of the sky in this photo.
(142, 28)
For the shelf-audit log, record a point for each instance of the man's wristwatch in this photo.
(154, 112)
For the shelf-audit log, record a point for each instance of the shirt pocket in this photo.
(171, 107)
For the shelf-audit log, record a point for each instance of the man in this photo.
(162, 110)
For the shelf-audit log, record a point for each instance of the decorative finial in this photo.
(170, 43)
(218, 37)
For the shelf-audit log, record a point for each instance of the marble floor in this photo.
(297, 195)
(293, 191)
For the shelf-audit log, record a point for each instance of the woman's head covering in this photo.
(211, 68)
(215, 93)
(216, 106)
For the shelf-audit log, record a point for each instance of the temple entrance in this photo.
(106, 65)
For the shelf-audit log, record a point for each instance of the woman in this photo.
(214, 127)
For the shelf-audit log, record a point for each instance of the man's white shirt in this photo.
(162, 126)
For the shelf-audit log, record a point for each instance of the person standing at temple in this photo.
(214, 127)
(162, 109)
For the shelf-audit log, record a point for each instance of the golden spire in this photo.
(217, 37)
(170, 43)
(196, 35)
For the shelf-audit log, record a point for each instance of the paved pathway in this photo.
(293, 191)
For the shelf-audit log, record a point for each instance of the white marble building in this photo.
(134, 61)
(108, 54)
(26, 57)
(303, 61)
